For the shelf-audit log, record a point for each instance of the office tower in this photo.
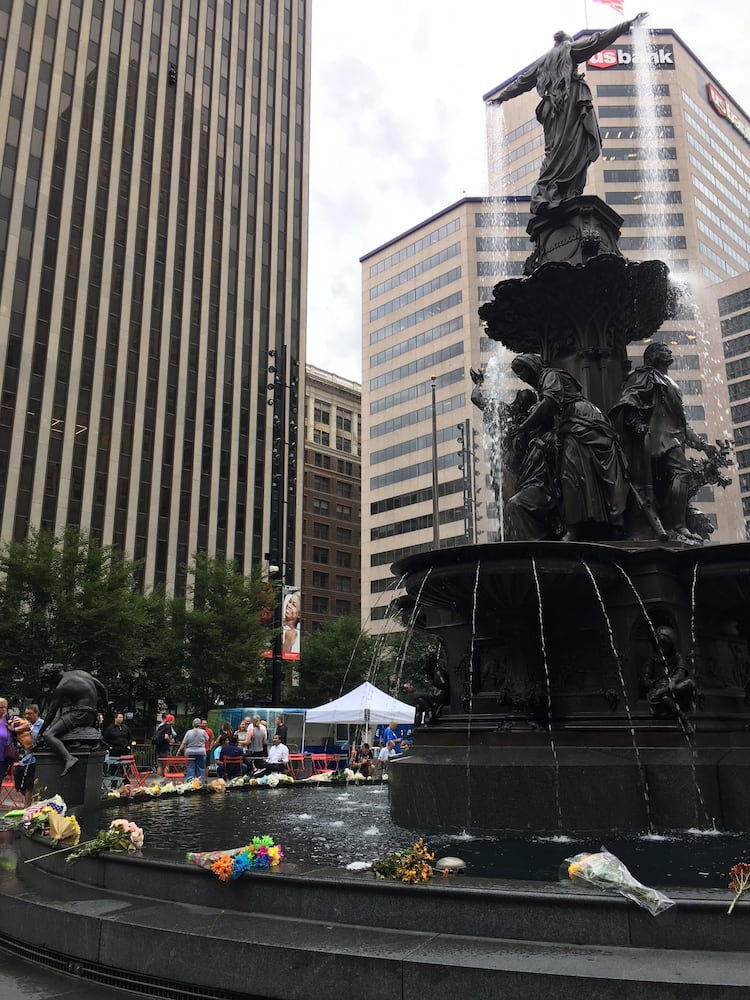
(153, 206)
(331, 524)
(679, 177)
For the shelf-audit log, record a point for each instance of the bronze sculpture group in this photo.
(581, 475)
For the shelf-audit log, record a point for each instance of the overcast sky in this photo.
(398, 122)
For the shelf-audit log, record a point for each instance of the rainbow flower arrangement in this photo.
(260, 853)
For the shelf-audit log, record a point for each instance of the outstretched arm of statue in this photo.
(588, 45)
(519, 85)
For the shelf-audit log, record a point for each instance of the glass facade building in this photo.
(153, 214)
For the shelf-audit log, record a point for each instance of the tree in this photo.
(223, 635)
(70, 601)
(333, 659)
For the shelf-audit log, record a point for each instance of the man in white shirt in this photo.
(276, 761)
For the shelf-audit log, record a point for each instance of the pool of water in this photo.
(339, 826)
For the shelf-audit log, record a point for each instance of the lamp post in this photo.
(284, 396)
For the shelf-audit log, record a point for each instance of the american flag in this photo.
(618, 5)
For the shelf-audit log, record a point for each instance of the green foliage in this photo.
(333, 659)
(69, 601)
(72, 601)
(223, 636)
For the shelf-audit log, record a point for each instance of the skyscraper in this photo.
(153, 207)
(677, 169)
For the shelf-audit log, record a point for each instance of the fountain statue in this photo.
(70, 737)
(597, 661)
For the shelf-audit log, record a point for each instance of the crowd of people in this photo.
(248, 750)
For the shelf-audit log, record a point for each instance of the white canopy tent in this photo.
(365, 705)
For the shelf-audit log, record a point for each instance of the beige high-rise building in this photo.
(153, 215)
(677, 169)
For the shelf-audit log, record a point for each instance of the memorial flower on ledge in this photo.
(411, 866)
(605, 871)
(261, 853)
(739, 881)
(121, 837)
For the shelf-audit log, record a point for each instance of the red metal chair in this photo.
(9, 797)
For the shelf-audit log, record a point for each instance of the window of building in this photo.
(321, 437)
(344, 468)
(321, 530)
(344, 584)
(343, 512)
(322, 461)
(320, 555)
(344, 490)
(319, 604)
(320, 580)
(345, 607)
(344, 536)
(344, 420)
(321, 414)
(344, 559)
(322, 483)
(343, 444)
(320, 506)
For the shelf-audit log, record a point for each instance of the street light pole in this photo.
(283, 482)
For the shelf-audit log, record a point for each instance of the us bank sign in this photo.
(721, 106)
(622, 56)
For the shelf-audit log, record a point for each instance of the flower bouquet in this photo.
(261, 853)
(63, 830)
(605, 871)
(120, 837)
(739, 881)
(38, 813)
(410, 866)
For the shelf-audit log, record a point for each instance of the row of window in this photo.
(342, 511)
(393, 528)
(323, 484)
(729, 152)
(416, 247)
(409, 447)
(411, 272)
(418, 416)
(412, 471)
(434, 309)
(417, 365)
(740, 345)
(322, 531)
(415, 391)
(323, 461)
(320, 605)
(393, 305)
(323, 438)
(413, 343)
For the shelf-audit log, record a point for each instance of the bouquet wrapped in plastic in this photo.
(605, 871)
(121, 837)
(261, 852)
(63, 830)
(42, 809)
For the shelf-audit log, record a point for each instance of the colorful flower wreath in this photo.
(261, 852)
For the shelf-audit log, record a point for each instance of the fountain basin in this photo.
(173, 924)
(548, 725)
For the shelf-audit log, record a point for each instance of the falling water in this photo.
(693, 645)
(700, 801)
(471, 698)
(392, 619)
(549, 693)
(650, 131)
(406, 639)
(623, 686)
